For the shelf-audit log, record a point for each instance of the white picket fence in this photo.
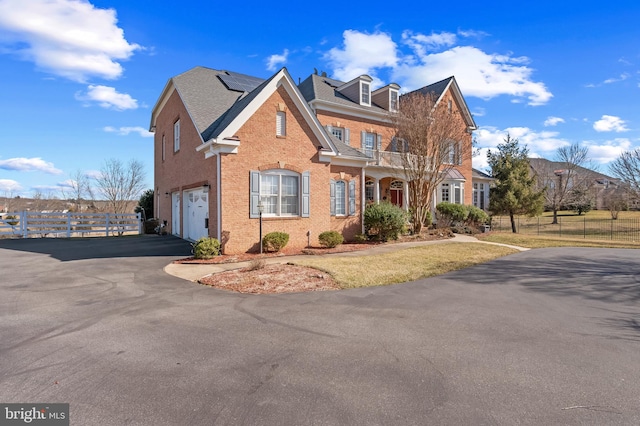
(46, 224)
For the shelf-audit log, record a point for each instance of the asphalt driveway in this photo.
(548, 336)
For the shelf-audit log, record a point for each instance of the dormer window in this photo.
(393, 100)
(365, 93)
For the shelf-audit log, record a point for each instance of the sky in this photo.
(79, 78)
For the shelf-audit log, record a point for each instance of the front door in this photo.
(195, 226)
(397, 193)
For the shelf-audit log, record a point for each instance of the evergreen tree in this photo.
(514, 192)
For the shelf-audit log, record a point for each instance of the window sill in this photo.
(274, 218)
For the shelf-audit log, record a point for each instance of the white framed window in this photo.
(365, 93)
(475, 194)
(445, 192)
(369, 143)
(343, 197)
(280, 193)
(369, 187)
(393, 100)
(341, 133)
(281, 123)
(176, 136)
(453, 155)
(341, 193)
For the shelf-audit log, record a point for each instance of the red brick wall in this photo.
(184, 169)
(261, 149)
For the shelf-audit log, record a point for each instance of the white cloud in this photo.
(553, 121)
(490, 75)
(125, 131)
(68, 38)
(29, 165)
(421, 43)
(479, 112)
(540, 144)
(608, 151)
(108, 97)
(276, 61)
(9, 185)
(610, 123)
(615, 80)
(93, 174)
(361, 54)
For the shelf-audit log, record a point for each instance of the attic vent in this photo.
(239, 82)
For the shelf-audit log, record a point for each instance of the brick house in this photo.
(310, 156)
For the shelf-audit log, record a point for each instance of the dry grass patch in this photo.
(405, 265)
(534, 241)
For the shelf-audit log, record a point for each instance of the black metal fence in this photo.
(573, 227)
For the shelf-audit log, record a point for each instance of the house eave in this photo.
(214, 147)
(355, 110)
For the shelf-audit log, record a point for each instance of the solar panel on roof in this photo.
(240, 82)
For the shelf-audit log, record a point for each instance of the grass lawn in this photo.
(405, 265)
(535, 241)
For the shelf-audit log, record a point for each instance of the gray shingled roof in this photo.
(436, 88)
(324, 89)
(344, 149)
(205, 96)
(480, 174)
(223, 121)
(540, 164)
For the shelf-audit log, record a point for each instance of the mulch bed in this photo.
(342, 248)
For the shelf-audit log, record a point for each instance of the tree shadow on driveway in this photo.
(67, 249)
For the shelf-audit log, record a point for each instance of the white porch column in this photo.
(376, 190)
(405, 195)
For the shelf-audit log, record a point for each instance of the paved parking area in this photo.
(540, 337)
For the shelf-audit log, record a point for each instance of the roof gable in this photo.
(440, 88)
(226, 127)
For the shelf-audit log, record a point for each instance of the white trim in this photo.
(350, 110)
(215, 147)
(349, 161)
(363, 200)
(361, 93)
(219, 198)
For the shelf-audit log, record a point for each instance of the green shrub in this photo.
(360, 238)
(384, 221)
(330, 239)
(206, 248)
(476, 216)
(450, 214)
(275, 241)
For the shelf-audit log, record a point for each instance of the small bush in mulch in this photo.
(206, 248)
(330, 239)
(275, 241)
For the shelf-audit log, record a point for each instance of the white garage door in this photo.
(196, 215)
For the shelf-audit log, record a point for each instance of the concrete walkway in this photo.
(193, 272)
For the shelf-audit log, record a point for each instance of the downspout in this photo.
(362, 201)
(219, 198)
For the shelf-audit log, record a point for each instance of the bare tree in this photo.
(120, 184)
(571, 171)
(79, 189)
(432, 140)
(627, 168)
